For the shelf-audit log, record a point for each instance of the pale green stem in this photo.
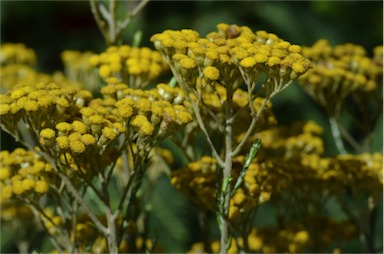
(337, 135)
(227, 171)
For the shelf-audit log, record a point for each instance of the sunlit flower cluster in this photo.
(11, 53)
(72, 126)
(39, 106)
(133, 66)
(197, 182)
(23, 174)
(214, 97)
(89, 240)
(153, 114)
(293, 238)
(293, 140)
(338, 71)
(16, 62)
(231, 56)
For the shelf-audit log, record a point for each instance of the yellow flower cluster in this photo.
(289, 141)
(311, 172)
(154, 114)
(40, 106)
(16, 62)
(83, 132)
(89, 240)
(231, 56)
(214, 98)
(197, 182)
(293, 238)
(133, 66)
(16, 53)
(362, 171)
(338, 71)
(23, 174)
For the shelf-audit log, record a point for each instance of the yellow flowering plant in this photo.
(97, 138)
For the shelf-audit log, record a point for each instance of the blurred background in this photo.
(49, 27)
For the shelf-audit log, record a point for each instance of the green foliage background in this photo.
(50, 27)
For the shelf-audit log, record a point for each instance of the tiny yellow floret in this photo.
(63, 126)
(211, 73)
(88, 139)
(4, 174)
(41, 186)
(28, 184)
(109, 133)
(62, 142)
(294, 49)
(261, 58)
(187, 63)
(298, 68)
(77, 146)
(79, 127)
(145, 127)
(4, 109)
(248, 62)
(104, 71)
(47, 133)
(31, 106)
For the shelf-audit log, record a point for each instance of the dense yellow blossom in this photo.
(133, 66)
(22, 173)
(16, 54)
(233, 53)
(337, 72)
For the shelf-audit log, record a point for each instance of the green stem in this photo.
(337, 135)
(227, 171)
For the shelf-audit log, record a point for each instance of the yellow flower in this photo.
(248, 62)
(261, 58)
(144, 104)
(104, 71)
(187, 63)
(18, 93)
(170, 114)
(145, 127)
(93, 60)
(28, 184)
(273, 60)
(96, 119)
(211, 73)
(31, 105)
(64, 128)
(77, 146)
(239, 198)
(4, 109)
(79, 127)
(298, 68)
(294, 49)
(125, 111)
(47, 133)
(41, 186)
(88, 139)
(4, 174)
(62, 142)
(17, 187)
(6, 192)
(183, 117)
(45, 101)
(37, 167)
(109, 133)
(301, 237)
